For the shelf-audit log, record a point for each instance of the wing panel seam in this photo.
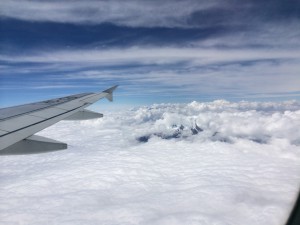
(42, 108)
(41, 121)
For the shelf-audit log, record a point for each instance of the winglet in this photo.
(109, 92)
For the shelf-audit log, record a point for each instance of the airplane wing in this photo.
(18, 124)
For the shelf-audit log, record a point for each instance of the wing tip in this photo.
(109, 92)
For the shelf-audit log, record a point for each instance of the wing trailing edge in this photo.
(84, 115)
(32, 145)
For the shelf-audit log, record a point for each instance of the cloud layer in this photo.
(222, 23)
(170, 13)
(182, 50)
(130, 13)
(168, 71)
(107, 176)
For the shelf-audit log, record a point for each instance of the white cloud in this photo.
(264, 35)
(248, 25)
(129, 13)
(108, 177)
(154, 55)
(195, 70)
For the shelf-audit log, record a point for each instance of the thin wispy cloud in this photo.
(194, 71)
(223, 23)
(153, 55)
(170, 13)
(194, 49)
(130, 13)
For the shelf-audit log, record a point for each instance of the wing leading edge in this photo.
(19, 124)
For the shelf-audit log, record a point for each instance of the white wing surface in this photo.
(18, 124)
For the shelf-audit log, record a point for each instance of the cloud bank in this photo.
(242, 167)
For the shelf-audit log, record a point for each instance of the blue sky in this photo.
(157, 51)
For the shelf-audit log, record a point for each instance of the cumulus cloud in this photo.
(109, 176)
(252, 121)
